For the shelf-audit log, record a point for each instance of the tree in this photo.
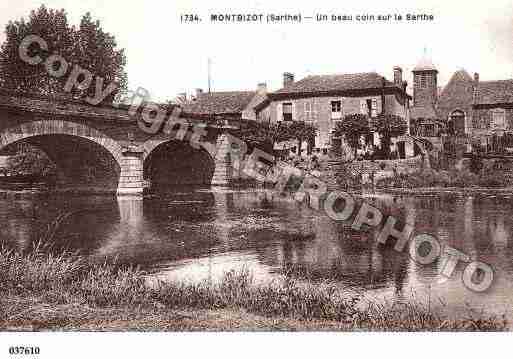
(87, 46)
(353, 127)
(388, 126)
(97, 52)
(300, 131)
(16, 74)
(264, 134)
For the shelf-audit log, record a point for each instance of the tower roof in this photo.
(425, 63)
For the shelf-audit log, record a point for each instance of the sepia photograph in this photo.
(169, 169)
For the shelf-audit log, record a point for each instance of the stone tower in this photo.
(425, 84)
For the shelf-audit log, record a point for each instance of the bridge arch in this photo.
(169, 162)
(64, 142)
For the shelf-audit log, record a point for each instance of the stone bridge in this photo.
(103, 147)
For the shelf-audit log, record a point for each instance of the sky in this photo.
(168, 57)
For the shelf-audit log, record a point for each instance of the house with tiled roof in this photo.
(324, 100)
(226, 106)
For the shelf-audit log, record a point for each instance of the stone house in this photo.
(324, 100)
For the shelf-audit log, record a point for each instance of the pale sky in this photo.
(167, 57)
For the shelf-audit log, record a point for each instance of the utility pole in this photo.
(209, 75)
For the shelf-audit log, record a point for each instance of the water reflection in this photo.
(199, 234)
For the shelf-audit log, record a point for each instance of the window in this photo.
(364, 107)
(336, 110)
(374, 107)
(287, 111)
(421, 80)
(498, 119)
(457, 123)
(309, 111)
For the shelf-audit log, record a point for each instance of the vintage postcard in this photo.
(252, 166)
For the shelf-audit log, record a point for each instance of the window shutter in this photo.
(374, 107)
(293, 111)
(278, 112)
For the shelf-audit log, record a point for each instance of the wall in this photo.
(322, 111)
(425, 96)
(482, 118)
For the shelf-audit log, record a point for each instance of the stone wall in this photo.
(401, 165)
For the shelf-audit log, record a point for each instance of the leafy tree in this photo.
(388, 126)
(353, 127)
(16, 74)
(97, 52)
(301, 131)
(87, 46)
(266, 135)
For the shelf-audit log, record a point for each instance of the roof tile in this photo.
(216, 103)
(340, 82)
(494, 92)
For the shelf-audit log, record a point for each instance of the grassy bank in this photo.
(43, 291)
(441, 178)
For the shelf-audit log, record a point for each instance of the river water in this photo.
(196, 234)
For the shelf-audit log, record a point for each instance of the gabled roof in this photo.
(494, 92)
(217, 103)
(456, 95)
(257, 100)
(341, 82)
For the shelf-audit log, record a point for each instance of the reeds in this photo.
(70, 279)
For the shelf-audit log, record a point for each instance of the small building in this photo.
(228, 107)
(493, 115)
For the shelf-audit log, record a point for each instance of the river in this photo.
(197, 234)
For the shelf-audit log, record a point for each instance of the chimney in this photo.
(288, 79)
(398, 76)
(476, 83)
(198, 92)
(262, 88)
(383, 83)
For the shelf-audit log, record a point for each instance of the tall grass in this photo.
(453, 178)
(70, 279)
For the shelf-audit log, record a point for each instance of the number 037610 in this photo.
(22, 350)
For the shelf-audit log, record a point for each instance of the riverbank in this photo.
(44, 291)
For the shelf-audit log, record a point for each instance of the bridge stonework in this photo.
(108, 132)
